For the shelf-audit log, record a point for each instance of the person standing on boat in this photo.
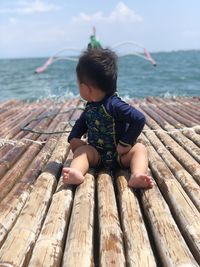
(111, 124)
(94, 43)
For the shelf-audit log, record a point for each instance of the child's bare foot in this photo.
(140, 180)
(72, 176)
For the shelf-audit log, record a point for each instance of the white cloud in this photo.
(121, 13)
(25, 7)
(46, 36)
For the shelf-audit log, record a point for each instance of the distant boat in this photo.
(94, 43)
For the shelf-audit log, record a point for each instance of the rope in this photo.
(12, 142)
(70, 122)
(4, 141)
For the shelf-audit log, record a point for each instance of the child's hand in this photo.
(123, 149)
(75, 143)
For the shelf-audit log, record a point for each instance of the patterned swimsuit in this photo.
(109, 122)
(101, 134)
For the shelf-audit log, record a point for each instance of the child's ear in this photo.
(86, 88)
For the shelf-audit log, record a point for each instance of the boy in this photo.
(112, 125)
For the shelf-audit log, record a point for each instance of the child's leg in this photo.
(137, 160)
(84, 157)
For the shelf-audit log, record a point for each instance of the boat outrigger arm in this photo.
(56, 57)
(59, 55)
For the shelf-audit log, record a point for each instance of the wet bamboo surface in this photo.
(101, 222)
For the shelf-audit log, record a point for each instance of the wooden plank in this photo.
(79, 244)
(111, 249)
(137, 245)
(17, 248)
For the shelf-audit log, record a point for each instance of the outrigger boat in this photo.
(94, 43)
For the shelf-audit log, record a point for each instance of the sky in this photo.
(39, 28)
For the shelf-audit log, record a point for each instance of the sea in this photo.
(177, 73)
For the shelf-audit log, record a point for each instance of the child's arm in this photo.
(78, 130)
(134, 118)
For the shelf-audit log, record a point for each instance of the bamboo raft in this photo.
(101, 222)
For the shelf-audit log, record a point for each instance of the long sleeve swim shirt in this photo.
(111, 116)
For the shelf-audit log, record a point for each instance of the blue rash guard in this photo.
(109, 122)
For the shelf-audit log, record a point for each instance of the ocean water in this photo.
(176, 74)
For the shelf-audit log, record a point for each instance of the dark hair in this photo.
(98, 67)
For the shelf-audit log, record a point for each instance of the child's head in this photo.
(98, 68)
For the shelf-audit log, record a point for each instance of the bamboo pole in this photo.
(11, 205)
(169, 242)
(9, 112)
(178, 117)
(192, 103)
(194, 137)
(17, 248)
(18, 245)
(181, 107)
(187, 144)
(137, 245)
(184, 178)
(13, 120)
(48, 250)
(14, 154)
(110, 233)
(167, 117)
(60, 123)
(179, 153)
(17, 196)
(7, 105)
(16, 127)
(188, 110)
(186, 214)
(10, 209)
(79, 243)
(13, 175)
(181, 111)
(16, 134)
